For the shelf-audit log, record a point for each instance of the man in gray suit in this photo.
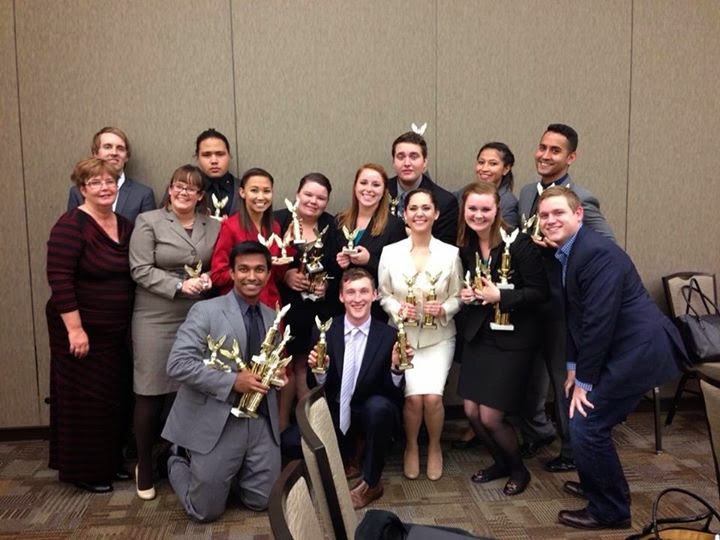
(112, 145)
(556, 151)
(220, 451)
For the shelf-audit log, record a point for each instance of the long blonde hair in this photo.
(348, 217)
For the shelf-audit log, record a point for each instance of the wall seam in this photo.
(630, 96)
(437, 93)
(234, 90)
(27, 221)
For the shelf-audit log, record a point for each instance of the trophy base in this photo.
(403, 367)
(310, 296)
(348, 251)
(502, 327)
(243, 413)
(299, 243)
(217, 218)
(411, 322)
(537, 238)
(320, 370)
(505, 286)
(431, 326)
(278, 261)
(315, 268)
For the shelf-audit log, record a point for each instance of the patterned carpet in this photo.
(33, 504)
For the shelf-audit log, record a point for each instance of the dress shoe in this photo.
(581, 519)
(464, 445)
(574, 488)
(515, 486)
(95, 487)
(145, 494)
(560, 464)
(493, 472)
(362, 494)
(531, 448)
(122, 475)
(411, 464)
(435, 464)
(352, 471)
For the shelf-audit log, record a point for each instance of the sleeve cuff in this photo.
(585, 386)
(320, 378)
(570, 366)
(397, 379)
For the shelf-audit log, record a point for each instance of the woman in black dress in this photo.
(88, 317)
(369, 215)
(312, 197)
(496, 361)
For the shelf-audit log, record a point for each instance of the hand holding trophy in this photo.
(214, 347)
(502, 320)
(430, 296)
(195, 272)
(350, 236)
(320, 348)
(410, 298)
(401, 344)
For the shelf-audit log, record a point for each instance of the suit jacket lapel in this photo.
(234, 317)
(199, 230)
(336, 336)
(371, 348)
(123, 194)
(177, 228)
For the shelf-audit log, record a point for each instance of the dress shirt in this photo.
(120, 182)
(542, 187)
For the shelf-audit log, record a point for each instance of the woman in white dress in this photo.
(417, 265)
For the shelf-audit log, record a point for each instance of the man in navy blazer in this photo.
(363, 373)
(112, 145)
(409, 153)
(619, 346)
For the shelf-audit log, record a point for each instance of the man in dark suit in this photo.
(556, 151)
(409, 153)
(212, 153)
(362, 385)
(223, 451)
(112, 145)
(619, 346)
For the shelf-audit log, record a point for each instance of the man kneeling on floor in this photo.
(363, 385)
(224, 452)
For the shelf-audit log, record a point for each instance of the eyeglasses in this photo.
(97, 184)
(187, 189)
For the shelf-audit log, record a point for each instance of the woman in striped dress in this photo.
(88, 318)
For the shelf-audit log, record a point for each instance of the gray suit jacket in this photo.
(133, 199)
(593, 216)
(202, 405)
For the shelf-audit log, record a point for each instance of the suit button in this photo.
(193, 252)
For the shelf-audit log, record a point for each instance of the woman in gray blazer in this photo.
(169, 248)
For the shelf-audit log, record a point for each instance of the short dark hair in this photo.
(250, 247)
(211, 133)
(411, 137)
(427, 192)
(569, 133)
(318, 178)
(353, 274)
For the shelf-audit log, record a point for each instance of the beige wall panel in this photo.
(18, 368)
(673, 191)
(327, 85)
(508, 69)
(161, 71)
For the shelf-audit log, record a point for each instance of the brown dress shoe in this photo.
(574, 488)
(362, 494)
(352, 471)
(581, 519)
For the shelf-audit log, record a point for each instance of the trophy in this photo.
(410, 297)
(315, 254)
(405, 362)
(297, 237)
(350, 248)
(502, 320)
(267, 364)
(214, 362)
(531, 226)
(284, 258)
(218, 204)
(234, 355)
(196, 272)
(429, 320)
(394, 202)
(321, 346)
(482, 270)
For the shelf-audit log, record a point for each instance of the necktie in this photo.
(255, 339)
(348, 379)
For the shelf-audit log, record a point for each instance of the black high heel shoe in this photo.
(493, 472)
(515, 486)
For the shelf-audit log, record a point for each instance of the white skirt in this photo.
(432, 365)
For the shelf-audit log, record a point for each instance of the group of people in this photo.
(525, 293)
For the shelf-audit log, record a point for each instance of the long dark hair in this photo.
(266, 222)
(507, 158)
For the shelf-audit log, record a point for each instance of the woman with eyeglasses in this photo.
(170, 251)
(88, 317)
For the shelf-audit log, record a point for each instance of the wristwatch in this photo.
(178, 286)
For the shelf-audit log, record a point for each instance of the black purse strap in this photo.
(706, 516)
(694, 287)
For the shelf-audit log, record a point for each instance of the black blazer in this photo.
(445, 228)
(374, 377)
(531, 288)
(621, 342)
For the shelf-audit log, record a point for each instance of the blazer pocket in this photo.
(197, 398)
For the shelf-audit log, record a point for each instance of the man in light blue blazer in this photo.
(112, 145)
(221, 452)
(556, 151)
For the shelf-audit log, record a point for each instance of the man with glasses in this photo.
(111, 144)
